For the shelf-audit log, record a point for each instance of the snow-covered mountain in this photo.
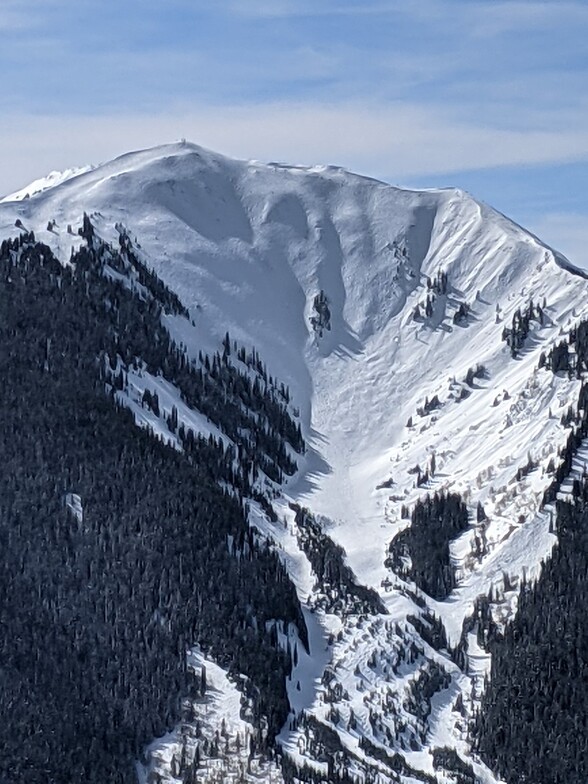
(408, 327)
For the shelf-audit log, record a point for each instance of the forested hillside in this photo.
(117, 551)
(533, 721)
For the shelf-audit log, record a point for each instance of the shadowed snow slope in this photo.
(418, 285)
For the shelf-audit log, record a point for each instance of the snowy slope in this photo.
(215, 725)
(44, 183)
(248, 247)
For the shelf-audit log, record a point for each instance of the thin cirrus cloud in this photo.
(481, 18)
(491, 19)
(22, 15)
(291, 8)
(235, 51)
(401, 141)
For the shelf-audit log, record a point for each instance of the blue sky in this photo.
(490, 96)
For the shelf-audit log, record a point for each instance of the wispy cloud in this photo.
(395, 89)
(271, 9)
(481, 17)
(456, 52)
(401, 141)
(27, 15)
(521, 17)
(16, 16)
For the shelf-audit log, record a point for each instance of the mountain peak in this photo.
(411, 329)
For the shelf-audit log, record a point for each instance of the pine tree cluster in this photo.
(578, 419)
(516, 336)
(421, 551)
(561, 358)
(322, 319)
(340, 593)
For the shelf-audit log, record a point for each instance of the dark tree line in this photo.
(578, 418)
(439, 283)
(560, 358)
(336, 582)
(146, 277)
(533, 723)
(437, 287)
(97, 610)
(398, 768)
(421, 551)
(322, 319)
(253, 413)
(324, 745)
(516, 335)
(430, 628)
(448, 760)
